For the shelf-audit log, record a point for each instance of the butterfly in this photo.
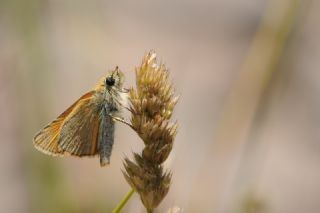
(87, 127)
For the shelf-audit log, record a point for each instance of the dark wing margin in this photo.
(46, 140)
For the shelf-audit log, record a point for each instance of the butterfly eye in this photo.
(110, 81)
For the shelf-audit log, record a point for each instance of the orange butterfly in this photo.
(87, 127)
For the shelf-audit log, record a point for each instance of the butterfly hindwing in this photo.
(47, 140)
(79, 132)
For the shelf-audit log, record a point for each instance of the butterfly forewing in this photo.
(46, 139)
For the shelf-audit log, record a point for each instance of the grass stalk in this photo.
(123, 202)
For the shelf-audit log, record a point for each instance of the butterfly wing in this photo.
(79, 132)
(50, 139)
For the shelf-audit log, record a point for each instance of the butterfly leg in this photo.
(115, 118)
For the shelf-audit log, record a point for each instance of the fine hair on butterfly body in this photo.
(87, 127)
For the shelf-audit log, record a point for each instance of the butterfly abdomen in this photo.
(106, 137)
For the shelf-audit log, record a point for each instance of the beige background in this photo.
(53, 51)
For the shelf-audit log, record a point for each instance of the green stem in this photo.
(123, 202)
(149, 210)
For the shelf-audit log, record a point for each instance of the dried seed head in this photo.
(152, 104)
(149, 181)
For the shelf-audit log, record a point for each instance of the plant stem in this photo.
(149, 210)
(123, 202)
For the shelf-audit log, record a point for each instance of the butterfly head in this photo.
(114, 79)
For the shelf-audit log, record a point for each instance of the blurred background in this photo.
(249, 112)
